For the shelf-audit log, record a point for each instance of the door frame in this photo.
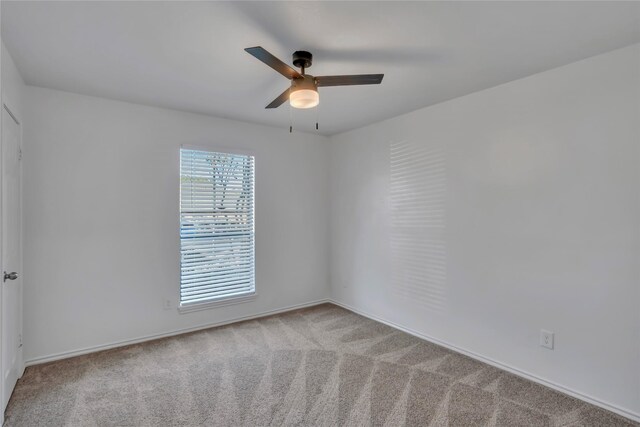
(6, 106)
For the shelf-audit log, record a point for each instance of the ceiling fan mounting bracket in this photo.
(302, 59)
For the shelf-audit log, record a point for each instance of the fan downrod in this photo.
(302, 59)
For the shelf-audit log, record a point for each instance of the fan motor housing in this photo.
(302, 59)
(307, 82)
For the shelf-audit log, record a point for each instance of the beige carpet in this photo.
(319, 366)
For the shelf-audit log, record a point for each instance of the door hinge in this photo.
(19, 340)
(19, 153)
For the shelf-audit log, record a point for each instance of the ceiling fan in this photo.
(303, 92)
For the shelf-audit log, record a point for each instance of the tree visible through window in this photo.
(216, 226)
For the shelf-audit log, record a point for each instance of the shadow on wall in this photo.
(417, 197)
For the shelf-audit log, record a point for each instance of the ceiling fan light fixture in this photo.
(304, 98)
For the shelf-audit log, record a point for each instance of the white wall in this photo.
(12, 83)
(527, 209)
(101, 219)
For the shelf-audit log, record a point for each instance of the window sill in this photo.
(189, 308)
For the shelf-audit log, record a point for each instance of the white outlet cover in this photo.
(546, 339)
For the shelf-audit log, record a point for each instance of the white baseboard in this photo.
(87, 350)
(578, 395)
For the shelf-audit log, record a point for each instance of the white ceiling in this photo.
(189, 55)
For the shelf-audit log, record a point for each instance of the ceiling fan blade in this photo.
(284, 96)
(349, 80)
(273, 62)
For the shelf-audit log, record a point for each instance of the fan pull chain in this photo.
(290, 119)
(317, 114)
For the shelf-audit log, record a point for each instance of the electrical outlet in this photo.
(546, 339)
(167, 304)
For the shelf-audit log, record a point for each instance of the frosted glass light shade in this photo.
(304, 98)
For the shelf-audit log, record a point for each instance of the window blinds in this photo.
(216, 226)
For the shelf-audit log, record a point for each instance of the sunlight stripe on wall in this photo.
(417, 200)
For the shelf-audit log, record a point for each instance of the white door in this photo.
(11, 361)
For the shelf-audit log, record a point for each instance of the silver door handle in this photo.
(10, 276)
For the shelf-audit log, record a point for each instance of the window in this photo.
(216, 227)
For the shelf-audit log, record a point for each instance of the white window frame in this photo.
(224, 301)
